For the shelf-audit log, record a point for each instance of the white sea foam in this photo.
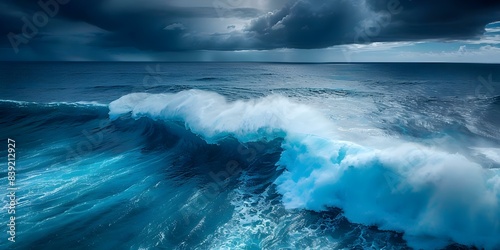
(209, 115)
(434, 197)
(490, 153)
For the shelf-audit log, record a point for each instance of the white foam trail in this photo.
(490, 153)
(434, 197)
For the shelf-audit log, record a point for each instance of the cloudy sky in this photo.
(251, 30)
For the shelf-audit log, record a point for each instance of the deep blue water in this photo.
(252, 156)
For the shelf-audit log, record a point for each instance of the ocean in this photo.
(250, 155)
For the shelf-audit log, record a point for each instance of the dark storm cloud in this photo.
(308, 24)
(139, 24)
(109, 15)
(319, 24)
(445, 19)
(154, 25)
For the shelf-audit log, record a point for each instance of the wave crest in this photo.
(209, 115)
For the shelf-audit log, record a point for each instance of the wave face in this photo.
(435, 198)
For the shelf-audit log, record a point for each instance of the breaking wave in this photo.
(434, 197)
